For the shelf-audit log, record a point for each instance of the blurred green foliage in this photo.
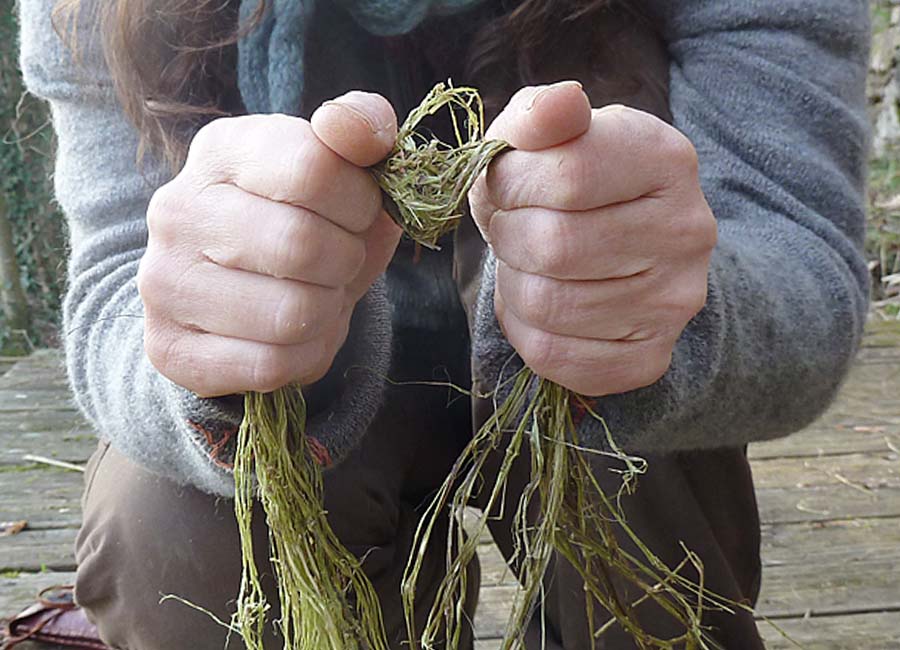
(26, 148)
(883, 232)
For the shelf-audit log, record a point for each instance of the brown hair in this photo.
(173, 62)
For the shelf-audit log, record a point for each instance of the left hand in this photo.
(602, 234)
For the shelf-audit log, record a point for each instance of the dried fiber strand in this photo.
(326, 600)
(425, 181)
(577, 519)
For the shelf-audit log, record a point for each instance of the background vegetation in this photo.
(33, 236)
(31, 228)
(883, 241)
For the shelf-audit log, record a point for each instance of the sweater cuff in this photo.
(341, 405)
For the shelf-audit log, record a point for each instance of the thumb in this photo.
(540, 117)
(358, 126)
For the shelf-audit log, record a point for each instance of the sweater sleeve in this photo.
(104, 196)
(772, 95)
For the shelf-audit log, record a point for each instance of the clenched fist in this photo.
(602, 235)
(260, 247)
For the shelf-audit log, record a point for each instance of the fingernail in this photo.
(547, 89)
(355, 104)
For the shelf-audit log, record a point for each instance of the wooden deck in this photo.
(829, 498)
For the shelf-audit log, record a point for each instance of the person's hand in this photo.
(260, 247)
(602, 235)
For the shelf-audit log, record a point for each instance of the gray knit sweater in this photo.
(770, 93)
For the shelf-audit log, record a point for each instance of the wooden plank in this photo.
(43, 369)
(830, 588)
(869, 631)
(74, 446)
(830, 440)
(38, 550)
(823, 503)
(835, 542)
(878, 353)
(838, 543)
(35, 379)
(44, 497)
(36, 399)
(52, 420)
(861, 472)
(864, 631)
(493, 611)
(864, 414)
(826, 503)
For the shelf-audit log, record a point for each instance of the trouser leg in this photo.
(144, 536)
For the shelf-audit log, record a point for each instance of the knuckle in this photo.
(321, 356)
(680, 152)
(592, 386)
(551, 250)
(653, 363)
(696, 301)
(658, 361)
(270, 369)
(572, 174)
(294, 248)
(163, 211)
(640, 365)
(540, 352)
(684, 301)
(288, 320)
(707, 235)
(569, 188)
(507, 189)
(536, 301)
(356, 260)
(152, 280)
(311, 170)
(209, 137)
(161, 345)
(695, 231)
(316, 373)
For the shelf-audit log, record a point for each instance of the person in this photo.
(676, 235)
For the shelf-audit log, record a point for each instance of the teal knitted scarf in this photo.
(271, 57)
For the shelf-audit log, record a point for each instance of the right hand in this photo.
(259, 249)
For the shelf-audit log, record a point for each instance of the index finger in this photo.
(626, 154)
(540, 117)
(279, 158)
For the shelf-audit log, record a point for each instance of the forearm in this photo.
(105, 196)
(772, 98)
